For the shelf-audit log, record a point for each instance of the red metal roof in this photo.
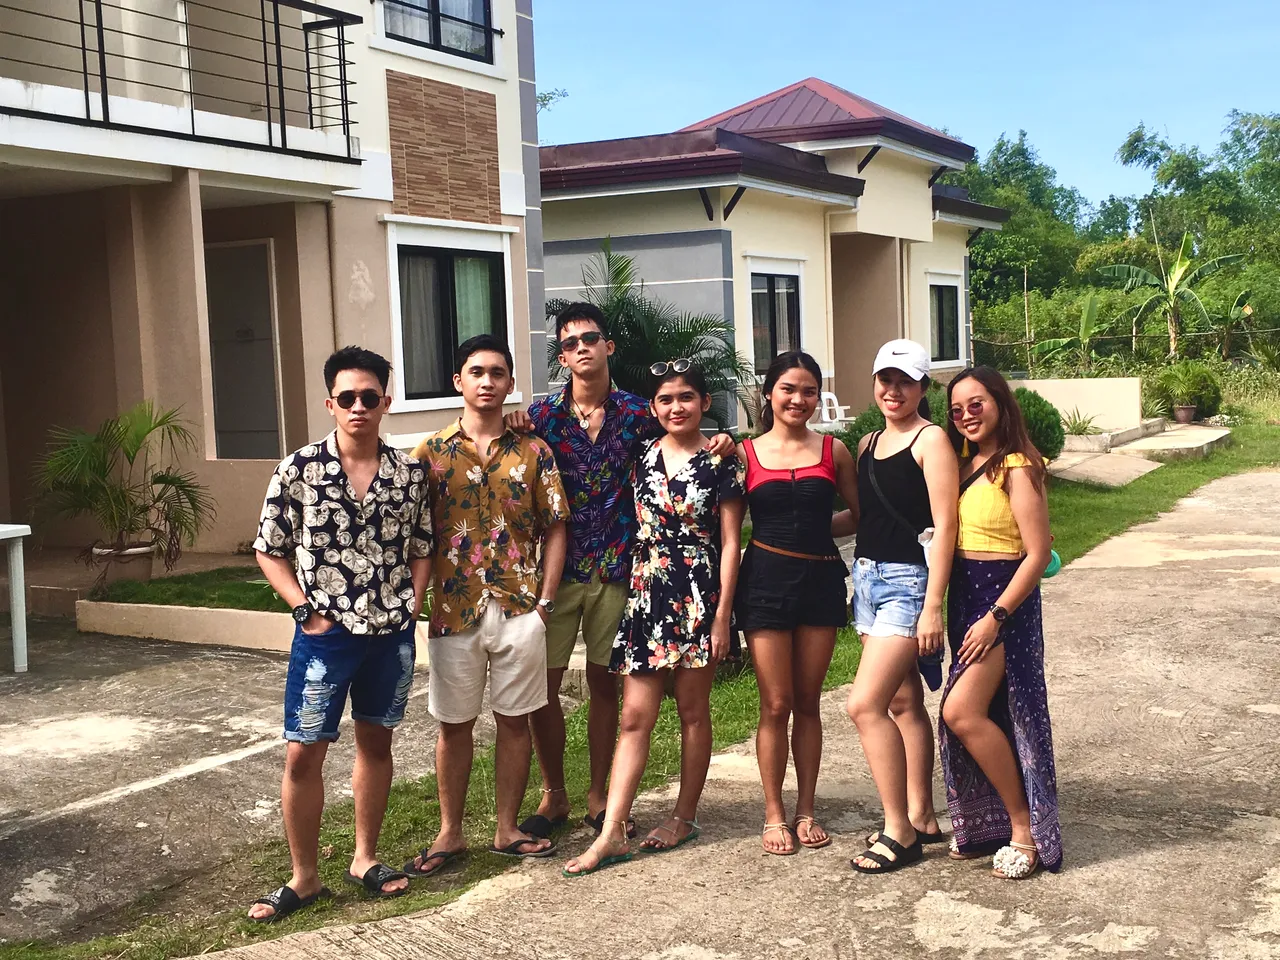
(803, 109)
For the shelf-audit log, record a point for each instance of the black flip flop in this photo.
(513, 849)
(541, 827)
(444, 856)
(285, 902)
(596, 823)
(375, 877)
(905, 856)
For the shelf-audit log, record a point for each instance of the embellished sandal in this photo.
(650, 844)
(603, 862)
(904, 856)
(785, 828)
(1011, 863)
(811, 844)
(953, 851)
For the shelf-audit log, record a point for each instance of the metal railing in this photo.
(181, 67)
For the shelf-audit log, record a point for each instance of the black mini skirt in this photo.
(777, 592)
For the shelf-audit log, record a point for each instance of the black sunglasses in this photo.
(660, 368)
(974, 408)
(569, 344)
(371, 398)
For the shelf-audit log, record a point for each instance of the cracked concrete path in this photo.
(1164, 685)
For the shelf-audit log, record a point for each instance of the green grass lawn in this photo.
(1082, 517)
(241, 588)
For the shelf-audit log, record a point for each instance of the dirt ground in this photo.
(1165, 693)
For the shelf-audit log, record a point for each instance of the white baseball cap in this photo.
(905, 355)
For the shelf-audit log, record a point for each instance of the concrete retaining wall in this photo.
(1115, 403)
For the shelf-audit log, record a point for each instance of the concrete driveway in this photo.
(1164, 682)
(127, 764)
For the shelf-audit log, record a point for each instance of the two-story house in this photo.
(201, 199)
(810, 217)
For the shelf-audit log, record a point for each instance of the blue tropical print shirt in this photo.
(597, 479)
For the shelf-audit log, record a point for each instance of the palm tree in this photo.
(647, 330)
(1173, 288)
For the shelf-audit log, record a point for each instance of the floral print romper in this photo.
(675, 566)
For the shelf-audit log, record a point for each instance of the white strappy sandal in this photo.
(1011, 863)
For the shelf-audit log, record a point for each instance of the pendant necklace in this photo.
(584, 419)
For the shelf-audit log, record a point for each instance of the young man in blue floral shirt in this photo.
(596, 433)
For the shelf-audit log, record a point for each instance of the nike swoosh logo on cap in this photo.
(898, 353)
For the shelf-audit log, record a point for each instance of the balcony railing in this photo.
(268, 74)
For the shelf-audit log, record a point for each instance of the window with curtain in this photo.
(775, 316)
(944, 321)
(463, 27)
(446, 297)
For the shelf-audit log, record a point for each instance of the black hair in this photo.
(581, 310)
(356, 358)
(694, 377)
(781, 364)
(484, 341)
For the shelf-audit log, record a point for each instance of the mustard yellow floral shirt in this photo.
(489, 521)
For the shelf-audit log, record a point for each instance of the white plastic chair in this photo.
(833, 411)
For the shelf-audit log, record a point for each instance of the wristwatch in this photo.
(302, 612)
(999, 613)
(547, 605)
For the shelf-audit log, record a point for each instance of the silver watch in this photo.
(548, 605)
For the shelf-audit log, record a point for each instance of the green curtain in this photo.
(473, 296)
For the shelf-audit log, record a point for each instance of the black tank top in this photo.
(791, 509)
(880, 536)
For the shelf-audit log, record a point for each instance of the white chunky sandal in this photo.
(1011, 863)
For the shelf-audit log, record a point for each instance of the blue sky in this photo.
(1076, 76)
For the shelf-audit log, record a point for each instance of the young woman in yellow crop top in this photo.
(995, 737)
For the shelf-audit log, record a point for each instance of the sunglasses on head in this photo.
(569, 344)
(974, 409)
(661, 368)
(371, 399)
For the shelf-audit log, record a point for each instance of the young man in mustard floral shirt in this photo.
(495, 497)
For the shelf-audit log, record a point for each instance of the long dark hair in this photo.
(1011, 428)
(781, 364)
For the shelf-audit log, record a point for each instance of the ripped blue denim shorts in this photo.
(377, 672)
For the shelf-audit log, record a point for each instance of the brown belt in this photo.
(792, 553)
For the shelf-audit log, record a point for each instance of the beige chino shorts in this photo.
(511, 652)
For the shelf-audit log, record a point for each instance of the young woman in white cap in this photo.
(908, 479)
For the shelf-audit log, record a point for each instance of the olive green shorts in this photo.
(596, 607)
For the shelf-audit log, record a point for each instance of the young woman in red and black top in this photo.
(791, 591)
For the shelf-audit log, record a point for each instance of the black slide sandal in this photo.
(905, 856)
(285, 903)
(541, 827)
(444, 856)
(375, 877)
(926, 839)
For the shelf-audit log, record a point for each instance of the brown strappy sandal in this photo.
(785, 828)
(810, 844)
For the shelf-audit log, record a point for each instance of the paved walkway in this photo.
(1165, 691)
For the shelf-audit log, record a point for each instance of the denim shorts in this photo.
(888, 597)
(376, 670)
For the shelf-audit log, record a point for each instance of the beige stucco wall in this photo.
(625, 216)
(941, 261)
(896, 201)
(1114, 402)
(772, 233)
(867, 309)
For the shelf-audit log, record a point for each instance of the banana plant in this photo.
(1226, 328)
(1082, 343)
(1173, 289)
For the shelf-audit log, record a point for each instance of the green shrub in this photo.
(1188, 383)
(1044, 423)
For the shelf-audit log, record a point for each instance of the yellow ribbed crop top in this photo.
(986, 517)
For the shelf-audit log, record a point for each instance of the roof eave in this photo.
(969, 213)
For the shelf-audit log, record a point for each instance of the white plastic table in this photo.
(13, 533)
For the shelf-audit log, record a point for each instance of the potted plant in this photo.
(125, 477)
(1180, 382)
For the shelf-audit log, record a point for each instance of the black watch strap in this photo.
(999, 613)
(302, 612)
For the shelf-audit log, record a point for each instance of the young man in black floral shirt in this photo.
(346, 540)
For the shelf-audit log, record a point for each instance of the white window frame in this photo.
(948, 278)
(378, 40)
(778, 265)
(449, 235)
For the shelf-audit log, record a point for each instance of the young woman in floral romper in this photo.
(689, 504)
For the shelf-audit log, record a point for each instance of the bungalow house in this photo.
(201, 199)
(810, 217)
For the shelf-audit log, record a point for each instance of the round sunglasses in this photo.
(973, 408)
(371, 399)
(661, 368)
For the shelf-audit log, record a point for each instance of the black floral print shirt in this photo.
(352, 556)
